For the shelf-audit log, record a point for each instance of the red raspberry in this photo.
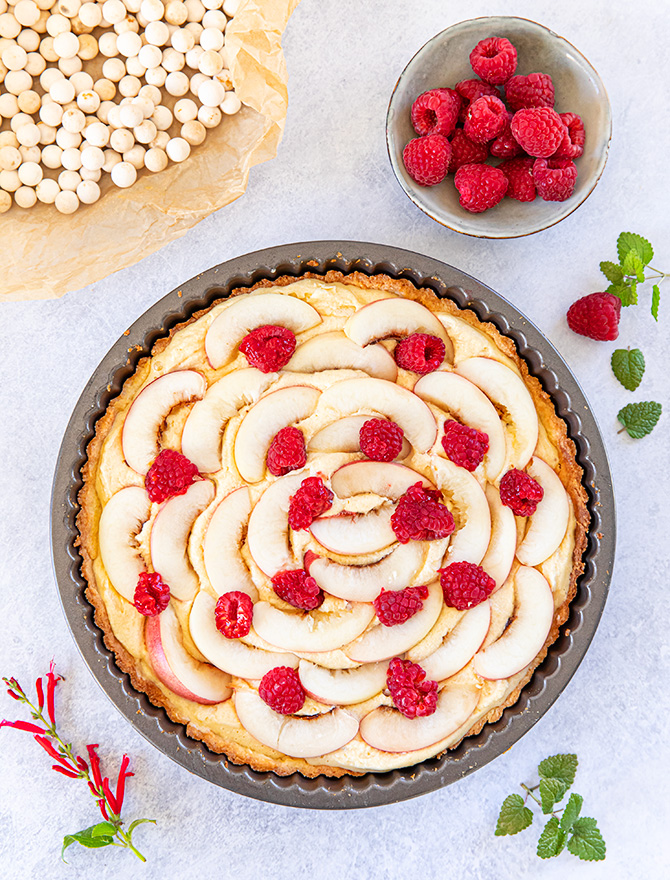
(519, 173)
(465, 446)
(520, 492)
(170, 474)
(268, 348)
(287, 451)
(480, 187)
(420, 352)
(485, 119)
(421, 516)
(436, 112)
(471, 89)
(466, 152)
(311, 500)
(494, 60)
(397, 606)
(572, 145)
(538, 130)
(233, 613)
(465, 585)
(427, 159)
(381, 440)
(411, 693)
(596, 316)
(152, 594)
(280, 688)
(505, 146)
(534, 90)
(298, 589)
(554, 178)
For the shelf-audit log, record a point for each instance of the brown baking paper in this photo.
(46, 254)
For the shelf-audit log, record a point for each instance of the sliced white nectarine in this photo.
(306, 632)
(201, 438)
(460, 645)
(121, 520)
(387, 479)
(267, 533)
(525, 636)
(383, 642)
(354, 534)
(223, 562)
(169, 538)
(342, 687)
(272, 413)
(499, 556)
(176, 668)
(389, 730)
(352, 396)
(231, 655)
(245, 313)
(547, 526)
(471, 511)
(397, 317)
(470, 405)
(139, 437)
(335, 351)
(363, 583)
(299, 736)
(507, 390)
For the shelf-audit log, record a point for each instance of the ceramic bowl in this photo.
(444, 61)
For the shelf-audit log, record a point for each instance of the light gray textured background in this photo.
(332, 179)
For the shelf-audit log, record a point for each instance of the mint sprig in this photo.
(580, 835)
(634, 267)
(628, 366)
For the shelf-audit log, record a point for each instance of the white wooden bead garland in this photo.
(93, 91)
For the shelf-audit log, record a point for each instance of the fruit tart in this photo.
(332, 524)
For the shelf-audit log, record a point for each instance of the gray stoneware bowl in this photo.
(444, 61)
(563, 656)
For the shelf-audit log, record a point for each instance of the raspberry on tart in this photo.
(397, 606)
(465, 585)
(381, 439)
(286, 451)
(152, 594)
(296, 587)
(411, 693)
(170, 474)
(520, 492)
(420, 352)
(281, 689)
(233, 613)
(465, 446)
(421, 516)
(268, 348)
(311, 500)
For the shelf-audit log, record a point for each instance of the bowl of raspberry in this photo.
(498, 128)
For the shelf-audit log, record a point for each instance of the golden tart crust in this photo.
(217, 726)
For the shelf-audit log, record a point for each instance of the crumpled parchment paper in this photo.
(46, 254)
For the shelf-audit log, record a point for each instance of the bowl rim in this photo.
(550, 677)
(454, 226)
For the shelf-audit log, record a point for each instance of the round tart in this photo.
(332, 524)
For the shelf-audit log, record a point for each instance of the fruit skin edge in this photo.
(237, 752)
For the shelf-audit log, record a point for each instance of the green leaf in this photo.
(561, 767)
(551, 791)
(639, 419)
(94, 837)
(552, 840)
(586, 841)
(655, 301)
(633, 265)
(631, 242)
(612, 271)
(628, 366)
(626, 292)
(571, 812)
(514, 816)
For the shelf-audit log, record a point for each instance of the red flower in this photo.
(40, 693)
(52, 679)
(22, 725)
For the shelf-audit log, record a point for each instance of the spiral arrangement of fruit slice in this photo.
(422, 599)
